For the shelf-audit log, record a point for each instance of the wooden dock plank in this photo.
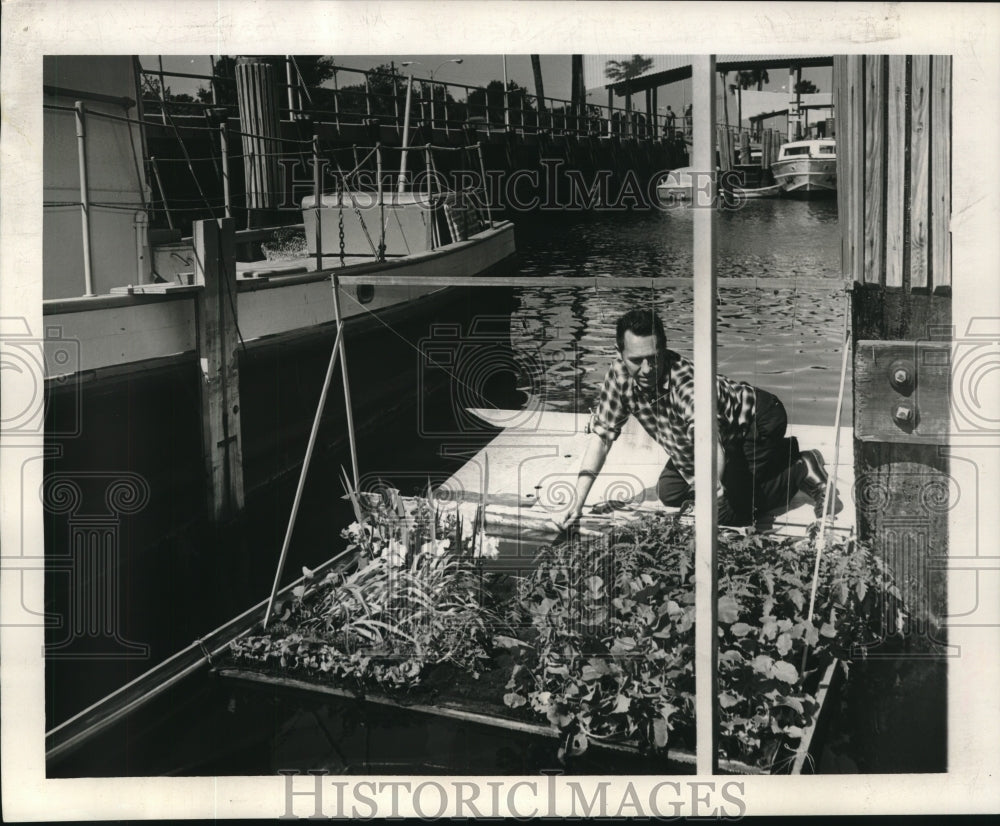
(875, 169)
(533, 466)
(941, 172)
(920, 156)
(895, 171)
(855, 147)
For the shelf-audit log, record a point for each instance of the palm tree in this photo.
(579, 91)
(625, 70)
(753, 77)
(536, 68)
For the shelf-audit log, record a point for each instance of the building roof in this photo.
(672, 68)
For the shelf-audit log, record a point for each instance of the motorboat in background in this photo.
(807, 168)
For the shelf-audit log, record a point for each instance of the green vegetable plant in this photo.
(605, 639)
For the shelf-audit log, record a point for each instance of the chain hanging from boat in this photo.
(340, 221)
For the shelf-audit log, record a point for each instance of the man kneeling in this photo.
(759, 468)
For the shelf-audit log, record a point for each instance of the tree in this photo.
(624, 71)
(753, 77)
(805, 87)
(488, 103)
(579, 89)
(309, 71)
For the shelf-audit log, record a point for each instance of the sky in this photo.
(479, 70)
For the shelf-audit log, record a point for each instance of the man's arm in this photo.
(590, 467)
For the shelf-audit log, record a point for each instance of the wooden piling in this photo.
(744, 146)
(874, 168)
(218, 337)
(258, 105)
(940, 223)
(920, 156)
(895, 166)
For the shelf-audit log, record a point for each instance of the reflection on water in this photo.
(786, 341)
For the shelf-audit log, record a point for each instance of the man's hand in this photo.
(566, 517)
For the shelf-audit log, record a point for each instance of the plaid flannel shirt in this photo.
(669, 417)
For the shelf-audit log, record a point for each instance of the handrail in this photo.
(558, 113)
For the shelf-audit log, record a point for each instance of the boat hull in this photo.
(806, 176)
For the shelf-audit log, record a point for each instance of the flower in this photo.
(439, 547)
(395, 553)
(487, 547)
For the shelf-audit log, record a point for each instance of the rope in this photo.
(831, 494)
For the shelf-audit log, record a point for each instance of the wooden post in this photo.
(81, 157)
(894, 124)
(255, 92)
(706, 425)
(920, 156)
(895, 170)
(611, 108)
(765, 148)
(215, 272)
(874, 163)
(941, 172)
(744, 146)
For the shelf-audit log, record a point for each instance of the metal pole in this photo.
(337, 345)
(381, 202)
(81, 152)
(163, 96)
(318, 199)
(163, 194)
(289, 88)
(347, 387)
(482, 169)
(224, 147)
(406, 134)
(706, 425)
(506, 99)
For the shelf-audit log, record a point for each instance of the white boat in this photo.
(127, 294)
(675, 185)
(807, 167)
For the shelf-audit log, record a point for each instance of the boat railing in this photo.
(347, 171)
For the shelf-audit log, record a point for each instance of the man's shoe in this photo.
(815, 483)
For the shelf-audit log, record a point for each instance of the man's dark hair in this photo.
(640, 322)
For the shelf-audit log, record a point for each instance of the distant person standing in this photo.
(687, 120)
(671, 118)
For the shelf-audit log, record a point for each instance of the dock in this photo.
(525, 472)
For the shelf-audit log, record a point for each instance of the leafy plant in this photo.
(605, 648)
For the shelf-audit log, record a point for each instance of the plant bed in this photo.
(594, 645)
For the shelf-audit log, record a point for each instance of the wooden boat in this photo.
(807, 167)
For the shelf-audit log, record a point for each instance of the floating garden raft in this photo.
(590, 642)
